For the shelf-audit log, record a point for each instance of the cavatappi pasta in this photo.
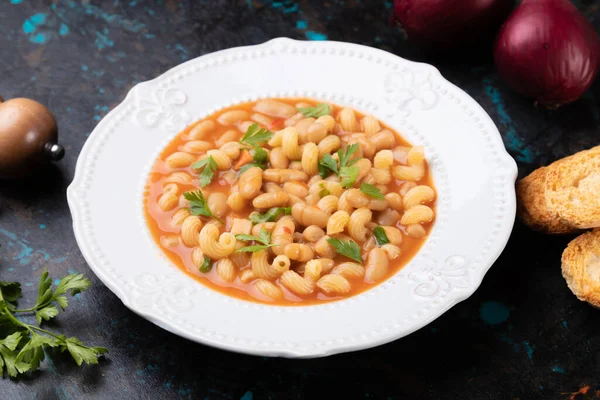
(290, 201)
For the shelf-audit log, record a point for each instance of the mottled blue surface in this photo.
(521, 335)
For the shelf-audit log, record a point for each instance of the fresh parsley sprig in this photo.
(371, 190)
(271, 215)
(347, 171)
(256, 135)
(347, 248)
(327, 165)
(317, 111)
(259, 156)
(23, 347)
(264, 238)
(209, 167)
(380, 235)
(198, 205)
(345, 156)
(348, 176)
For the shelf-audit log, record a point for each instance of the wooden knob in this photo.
(28, 138)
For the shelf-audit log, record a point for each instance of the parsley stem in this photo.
(32, 309)
(45, 331)
(10, 315)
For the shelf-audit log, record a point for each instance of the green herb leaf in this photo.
(372, 191)
(33, 351)
(345, 248)
(76, 283)
(22, 348)
(11, 291)
(254, 248)
(348, 175)
(346, 154)
(264, 238)
(327, 163)
(81, 353)
(198, 205)
(271, 215)
(317, 111)
(206, 265)
(12, 341)
(9, 353)
(209, 167)
(260, 155)
(380, 236)
(46, 313)
(256, 135)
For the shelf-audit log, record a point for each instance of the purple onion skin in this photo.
(547, 50)
(451, 24)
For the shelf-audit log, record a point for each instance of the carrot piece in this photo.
(245, 158)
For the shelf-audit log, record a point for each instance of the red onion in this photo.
(549, 51)
(451, 23)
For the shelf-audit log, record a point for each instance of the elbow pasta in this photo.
(337, 222)
(265, 270)
(356, 224)
(328, 204)
(290, 145)
(168, 201)
(226, 269)
(190, 230)
(288, 203)
(334, 284)
(269, 289)
(310, 159)
(214, 245)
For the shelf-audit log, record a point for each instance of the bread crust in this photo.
(532, 209)
(564, 196)
(581, 267)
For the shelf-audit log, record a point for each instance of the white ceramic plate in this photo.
(472, 172)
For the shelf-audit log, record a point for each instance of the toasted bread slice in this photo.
(564, 196)
(531, 194)
(581, 267)
(573, 189)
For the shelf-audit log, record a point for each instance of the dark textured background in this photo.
(521, 335)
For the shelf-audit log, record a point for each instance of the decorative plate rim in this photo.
(79, 206)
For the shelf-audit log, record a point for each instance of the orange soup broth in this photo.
(160, 226)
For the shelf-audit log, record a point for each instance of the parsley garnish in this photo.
(317, 111)
(346, 171)
(256, 135)
(346, 248)
(345, 155)
(264, 238)
(380, 236)
(348, 175)
(209, 166)
(271, 215)
(24, 348)
(206, 265)
(198, 204)
(327, 163)
(260, 157)
(372, 191)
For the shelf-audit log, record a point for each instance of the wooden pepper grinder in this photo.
(28, 138)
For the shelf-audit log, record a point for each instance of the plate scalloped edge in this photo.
(505, 177)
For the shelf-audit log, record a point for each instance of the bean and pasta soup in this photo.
(290, 201)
